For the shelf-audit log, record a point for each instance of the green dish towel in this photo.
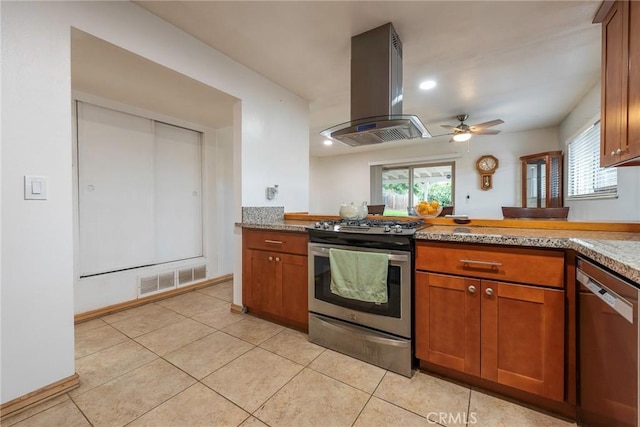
(359, 275)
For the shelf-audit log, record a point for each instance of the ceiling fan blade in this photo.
(487, 132)
(485, 125)
(450, 127)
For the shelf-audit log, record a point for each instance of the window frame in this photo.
(592, 164)
(378, 170)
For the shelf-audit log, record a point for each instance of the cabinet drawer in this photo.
(278, 241)
(523, 265)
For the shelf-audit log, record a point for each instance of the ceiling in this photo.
(526, 62)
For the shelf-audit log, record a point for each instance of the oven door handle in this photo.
(392, 257)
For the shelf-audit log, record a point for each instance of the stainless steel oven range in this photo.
(378, 332)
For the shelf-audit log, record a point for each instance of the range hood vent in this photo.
(376, 93)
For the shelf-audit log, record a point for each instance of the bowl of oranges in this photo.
(430, 209)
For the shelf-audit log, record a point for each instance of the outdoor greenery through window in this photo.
(426, 181)
(586, 178)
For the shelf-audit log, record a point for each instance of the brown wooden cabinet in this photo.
(542, 180)
(508, 333)
(620, 116)
(448, 321)
(523, 337)
(274, 275)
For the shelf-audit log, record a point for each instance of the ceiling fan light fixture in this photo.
(461, 137)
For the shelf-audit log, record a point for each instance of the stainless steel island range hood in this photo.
(376, 93)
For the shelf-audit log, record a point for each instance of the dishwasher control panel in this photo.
(584, 275)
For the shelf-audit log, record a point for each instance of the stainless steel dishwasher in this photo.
(608, 348)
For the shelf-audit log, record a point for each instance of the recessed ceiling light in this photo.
(328, 142)
(427, 84)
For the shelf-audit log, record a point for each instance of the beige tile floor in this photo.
(189, 361)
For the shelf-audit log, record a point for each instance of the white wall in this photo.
(626, 207)
(586, 109)
(37, 237)
(221, 208)
(37, 243)
(278, 154)
(345, 178)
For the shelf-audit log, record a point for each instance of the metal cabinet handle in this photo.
(489, 291)
(613, 153)
(270, 258)
(275, 242)
(277, 259)
(472, 289)
(490, 263)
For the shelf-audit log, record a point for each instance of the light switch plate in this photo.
(35, 187)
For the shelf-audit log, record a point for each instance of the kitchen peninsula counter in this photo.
(617, 250)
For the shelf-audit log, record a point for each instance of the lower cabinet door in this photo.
(523, 337)
(447, 313)
(262, 293)
(294, 276)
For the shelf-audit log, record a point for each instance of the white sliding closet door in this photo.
(116, 190)
(178, 189)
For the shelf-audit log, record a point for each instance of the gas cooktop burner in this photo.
(370, 226)
(376, 223)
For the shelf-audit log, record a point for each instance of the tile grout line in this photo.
(158, 356)
(252, 414)
(285, 357)
(468, 407)
(371, 396)
(274, 393)
(126, 337)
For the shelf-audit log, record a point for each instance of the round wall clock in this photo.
(486, 166)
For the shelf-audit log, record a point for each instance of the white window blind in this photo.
(586, 178)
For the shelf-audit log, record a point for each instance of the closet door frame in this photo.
(78, 96)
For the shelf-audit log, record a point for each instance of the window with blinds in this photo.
(586, 178)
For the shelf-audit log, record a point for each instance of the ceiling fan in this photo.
(463, 132)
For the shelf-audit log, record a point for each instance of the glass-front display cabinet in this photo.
(542, 180)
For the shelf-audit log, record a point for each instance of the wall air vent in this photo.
(166, 281)
(148, 285)
(192, 274)
(200, 272)
(161, 282)
(157, 283)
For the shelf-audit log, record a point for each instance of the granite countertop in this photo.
(280, 225)
(619, 251)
